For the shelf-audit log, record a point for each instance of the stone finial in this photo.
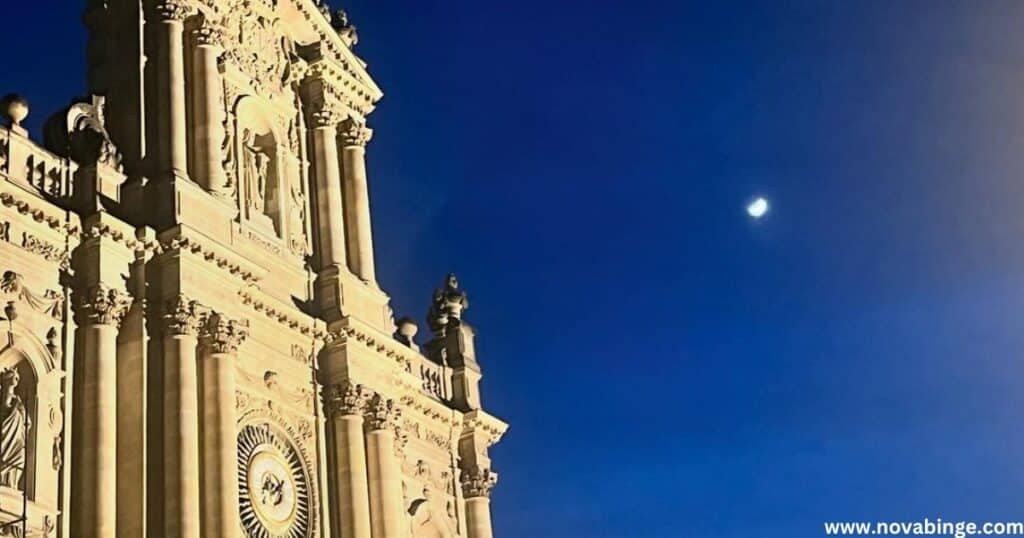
(15, 109)
(406, 332)
(449, 303)
(478, 482)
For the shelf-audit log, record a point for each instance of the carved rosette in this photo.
(172, 10)
(346, 399)
(183, 316)
(478, 482)
(101, 305)
(354, 134)
(221, 334)
(382, 414)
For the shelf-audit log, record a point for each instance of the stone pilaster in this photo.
(219, 342)
(208, 116)
(387, 515)
(353, 138)
(99, 312)
(182, 321)
(168, 17)
(477, 484)
(345, 405)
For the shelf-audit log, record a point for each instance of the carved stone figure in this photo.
(14, 425)
(449, 302)
(346, 30)
(255, 170)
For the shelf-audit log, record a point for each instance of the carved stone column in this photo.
(330, 210)
(476, 488)
(387, 515)
(182, 321)
(354, 136)
(346, 403)
(219, 343)
(93, 502)
(208, 117)
(168, 19)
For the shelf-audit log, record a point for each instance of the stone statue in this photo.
(14, 426)
(346, 30)
(448, 303)
(255, 167)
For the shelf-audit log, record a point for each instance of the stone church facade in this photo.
(195, 342)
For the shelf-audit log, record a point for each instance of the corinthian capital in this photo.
(209, 35)
(101, 305)
(171, 10)
(354, 133)
(323, 117)
(221, 334)
(346, 398)
(382, 414)
(478, 482)
(182, 316)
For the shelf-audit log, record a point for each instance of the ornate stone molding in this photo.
(183, 316)
(345, 399)
(382, 414)
(478, 482)
(172, 10)
(50, 302)
(221, 334)
(354, 134)
(101, 305)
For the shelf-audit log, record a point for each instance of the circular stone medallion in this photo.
(273, 486)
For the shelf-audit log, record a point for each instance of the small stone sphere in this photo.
(15, 108)
(407, 328)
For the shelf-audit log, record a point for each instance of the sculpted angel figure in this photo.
(14, 425)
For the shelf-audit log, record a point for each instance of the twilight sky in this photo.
(669, 367)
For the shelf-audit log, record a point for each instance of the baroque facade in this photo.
(195, 340)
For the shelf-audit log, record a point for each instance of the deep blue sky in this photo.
(669, 367)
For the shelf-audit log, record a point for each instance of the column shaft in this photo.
(170, 105)
(181, 437)
(208, 167)
(220, 452)
(478, 517)
(328, 194)
(385, 481)
(357, 212)
(94, 511)
(353, 502)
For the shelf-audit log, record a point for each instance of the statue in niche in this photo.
(14, 425)
(255, 171)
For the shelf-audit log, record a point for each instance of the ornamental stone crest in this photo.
(257, 47)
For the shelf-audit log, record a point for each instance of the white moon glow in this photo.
(758, 208)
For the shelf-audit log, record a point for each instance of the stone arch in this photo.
(259, 147)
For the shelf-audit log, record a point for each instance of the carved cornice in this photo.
(183, 316)
(172, 10)
(346, 399)
(478, 482)
(382, 414)
(101, 305)
(354, 133)
(282, 315)
(221, 334)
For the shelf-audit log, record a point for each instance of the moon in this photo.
(758, 208)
